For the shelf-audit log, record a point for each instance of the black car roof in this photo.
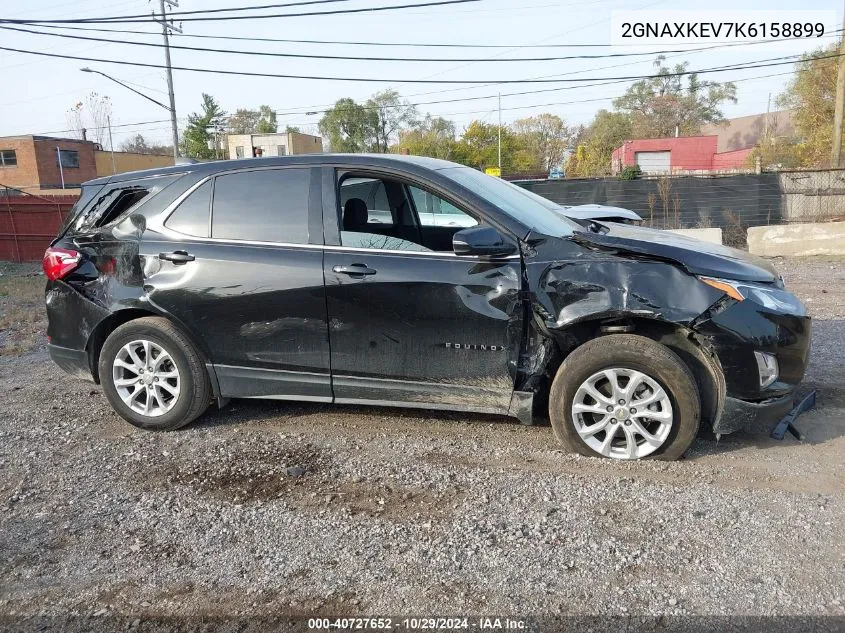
(375, 160)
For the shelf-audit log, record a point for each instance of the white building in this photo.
(280, 144)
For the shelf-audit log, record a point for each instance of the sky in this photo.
(37, 92)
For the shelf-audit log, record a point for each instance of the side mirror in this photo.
(481, 240)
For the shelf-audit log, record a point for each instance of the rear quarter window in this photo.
(89, 192)
(113, 202)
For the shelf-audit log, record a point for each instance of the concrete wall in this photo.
(305, 143)
(234, 141)
(827, 238)
(292, 142)
(128, 161)
(272, 144)
(706, 235)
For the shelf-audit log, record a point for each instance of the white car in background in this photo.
(436, 212)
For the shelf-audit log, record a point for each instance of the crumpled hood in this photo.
(697, 256)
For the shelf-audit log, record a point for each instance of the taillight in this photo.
(58, 262)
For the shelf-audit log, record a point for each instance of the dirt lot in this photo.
(403, 512)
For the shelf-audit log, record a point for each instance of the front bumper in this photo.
(755, 417)
(73, 361)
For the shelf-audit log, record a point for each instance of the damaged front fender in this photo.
(606, 287)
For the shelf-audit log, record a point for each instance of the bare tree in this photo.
(90, 118)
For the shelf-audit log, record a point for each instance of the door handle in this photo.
(177, 257)
(354, 270)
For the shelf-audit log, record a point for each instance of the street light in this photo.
(158, 103)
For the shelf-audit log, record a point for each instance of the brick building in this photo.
(678, 154)
(46, 165)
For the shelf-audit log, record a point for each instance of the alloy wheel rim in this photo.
(146, 378)
(622, 413)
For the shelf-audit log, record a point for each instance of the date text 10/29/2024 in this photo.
(416, 624)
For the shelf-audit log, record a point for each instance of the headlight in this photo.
(770, 297)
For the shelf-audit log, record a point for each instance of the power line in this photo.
(241, 73)
(114, 126)
(120, 20)
(342, 42)
(507, 109)
(364, 58)
(278, 5)
(277, 40)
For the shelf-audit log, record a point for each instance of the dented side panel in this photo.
(258, 312)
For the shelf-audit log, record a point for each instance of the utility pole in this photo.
(111, 147)
(766, 126)
(61, 167)
(836, 147)
(166, 27)
(500, 134)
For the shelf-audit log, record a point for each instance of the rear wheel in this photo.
(153, 376)
(625, 397)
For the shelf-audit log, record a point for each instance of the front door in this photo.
(409, 321)
(239, 266)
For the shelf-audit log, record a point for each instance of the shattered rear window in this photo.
(115, 202)
(110, 206)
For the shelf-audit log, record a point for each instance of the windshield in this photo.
(554, 206)
(513, 200)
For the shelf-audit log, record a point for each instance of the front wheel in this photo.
(625, 396)
(153, 376)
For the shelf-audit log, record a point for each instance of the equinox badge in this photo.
(482, 348)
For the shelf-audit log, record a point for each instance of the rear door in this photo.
(410, 322)
(237, 261)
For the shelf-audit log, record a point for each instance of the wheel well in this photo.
(106, 327)
(703, 364)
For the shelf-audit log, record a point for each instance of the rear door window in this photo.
(268, 205)
(192, 214)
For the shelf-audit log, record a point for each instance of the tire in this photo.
(671, 420)
(177, 391)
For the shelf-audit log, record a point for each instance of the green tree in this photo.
(349, 127)
(596, 142)
(433, 136)
(197, 135)
(544, 138)
(138, 145)
(261, 121)
(479, 148)
(662, 104)
(392, 114)
(811, 95)
(243, 121)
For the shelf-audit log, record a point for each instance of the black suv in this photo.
(418, 283)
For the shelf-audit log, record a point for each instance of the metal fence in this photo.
(731, 202)
(28, 223)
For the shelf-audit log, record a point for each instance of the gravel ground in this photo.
(299, 509)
